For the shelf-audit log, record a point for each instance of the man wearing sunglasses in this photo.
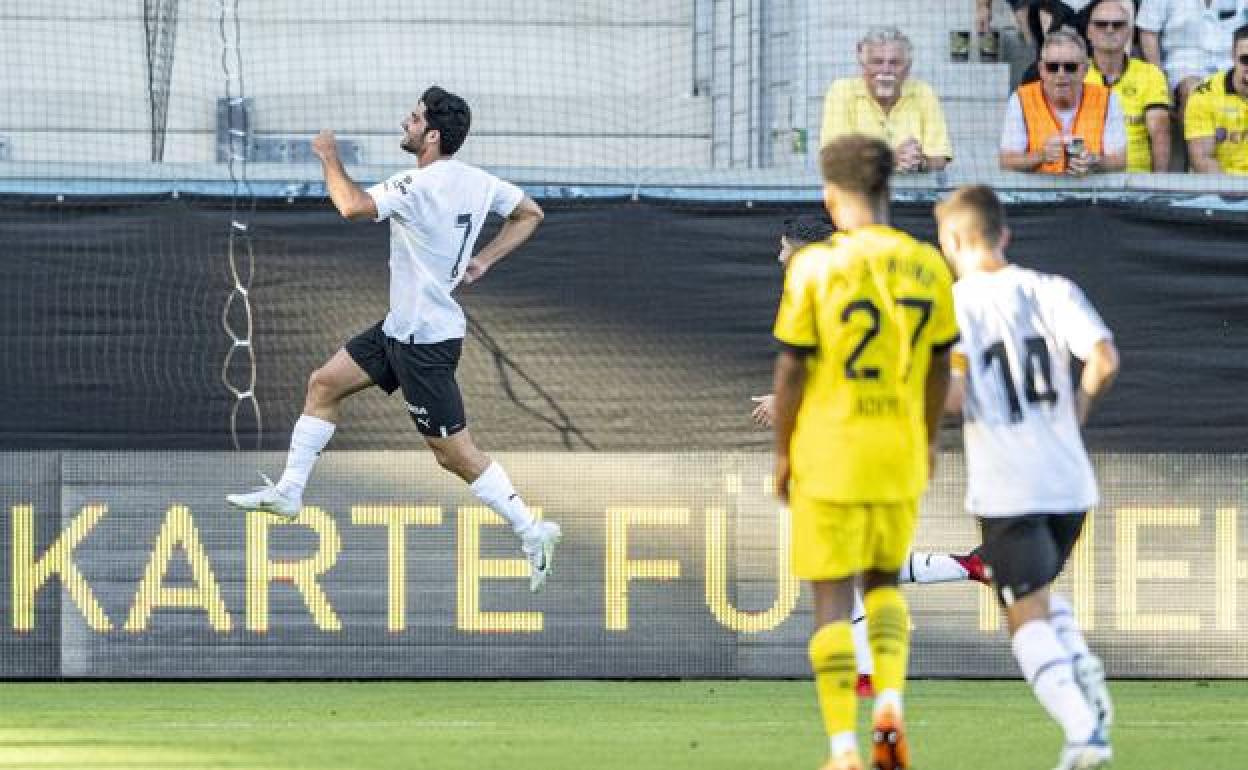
(1140, 85)
(1063, 125)
(1216, 123)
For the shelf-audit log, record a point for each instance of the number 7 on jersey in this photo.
(464, 221)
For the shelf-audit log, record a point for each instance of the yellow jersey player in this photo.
(922, 567)
(866, 324)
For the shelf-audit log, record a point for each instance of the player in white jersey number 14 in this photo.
(1029, 480)
(436, 211)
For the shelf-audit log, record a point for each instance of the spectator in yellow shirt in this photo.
(884, 103)
(1140, 86)
(1216, 122)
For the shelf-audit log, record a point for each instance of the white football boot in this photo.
(267, 498)
(539, 548)
(1090, 755)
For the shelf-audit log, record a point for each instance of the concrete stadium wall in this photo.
(560, 84)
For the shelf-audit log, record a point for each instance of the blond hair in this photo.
(974, 211)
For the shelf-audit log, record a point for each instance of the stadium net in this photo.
(657, 95)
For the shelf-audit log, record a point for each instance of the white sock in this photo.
(923, 567)
(842, 743)
(308, 438)
(858, 628)
(887, 699)
(494, 489)
(1062, 618)
(1046, 666)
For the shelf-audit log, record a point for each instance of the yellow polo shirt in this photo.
(1141, 88)
(848, 108)
(1215, 110)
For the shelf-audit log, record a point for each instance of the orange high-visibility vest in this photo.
(1042, 123)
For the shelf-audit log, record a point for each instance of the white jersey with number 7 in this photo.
(1024, 452)
(435, 214)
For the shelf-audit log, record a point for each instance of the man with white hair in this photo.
(885, 103)
(1140, 85)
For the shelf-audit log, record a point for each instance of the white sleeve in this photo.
(1014, 131)
(1078, 323)
(1115, 139)
(389, 196)
(1152, 14)
(505, 197)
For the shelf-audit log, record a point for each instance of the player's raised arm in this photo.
(348, 197)
(518, 228)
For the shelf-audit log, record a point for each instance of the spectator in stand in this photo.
(1140, 86)
(1189, 39)
(1216, 123)
(1062, 125)
(1037, 18)
(885, 103)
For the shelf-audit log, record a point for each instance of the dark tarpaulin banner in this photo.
(626, 326)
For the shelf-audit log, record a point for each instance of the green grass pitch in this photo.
(695, 725)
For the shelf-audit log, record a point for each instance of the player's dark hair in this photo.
(857, 164)
(1239, 35)
(449, 114)
(807, 229)
(980, 207)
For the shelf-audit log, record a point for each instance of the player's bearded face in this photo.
(413, 140)
(415, 128)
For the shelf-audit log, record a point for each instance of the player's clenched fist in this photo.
(324, 144)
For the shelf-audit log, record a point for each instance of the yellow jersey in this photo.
(1215, 110)
(1141, 88)
(869, 306)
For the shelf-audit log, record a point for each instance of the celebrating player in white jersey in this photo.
(436, 212)
(1029, 479)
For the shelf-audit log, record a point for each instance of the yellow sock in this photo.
(832, 658)
(888, 626)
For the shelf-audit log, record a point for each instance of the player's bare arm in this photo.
(348, 197)
(790, 384)
(936, 391)
(957, 385)
(518, 228)
(1099, 372)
